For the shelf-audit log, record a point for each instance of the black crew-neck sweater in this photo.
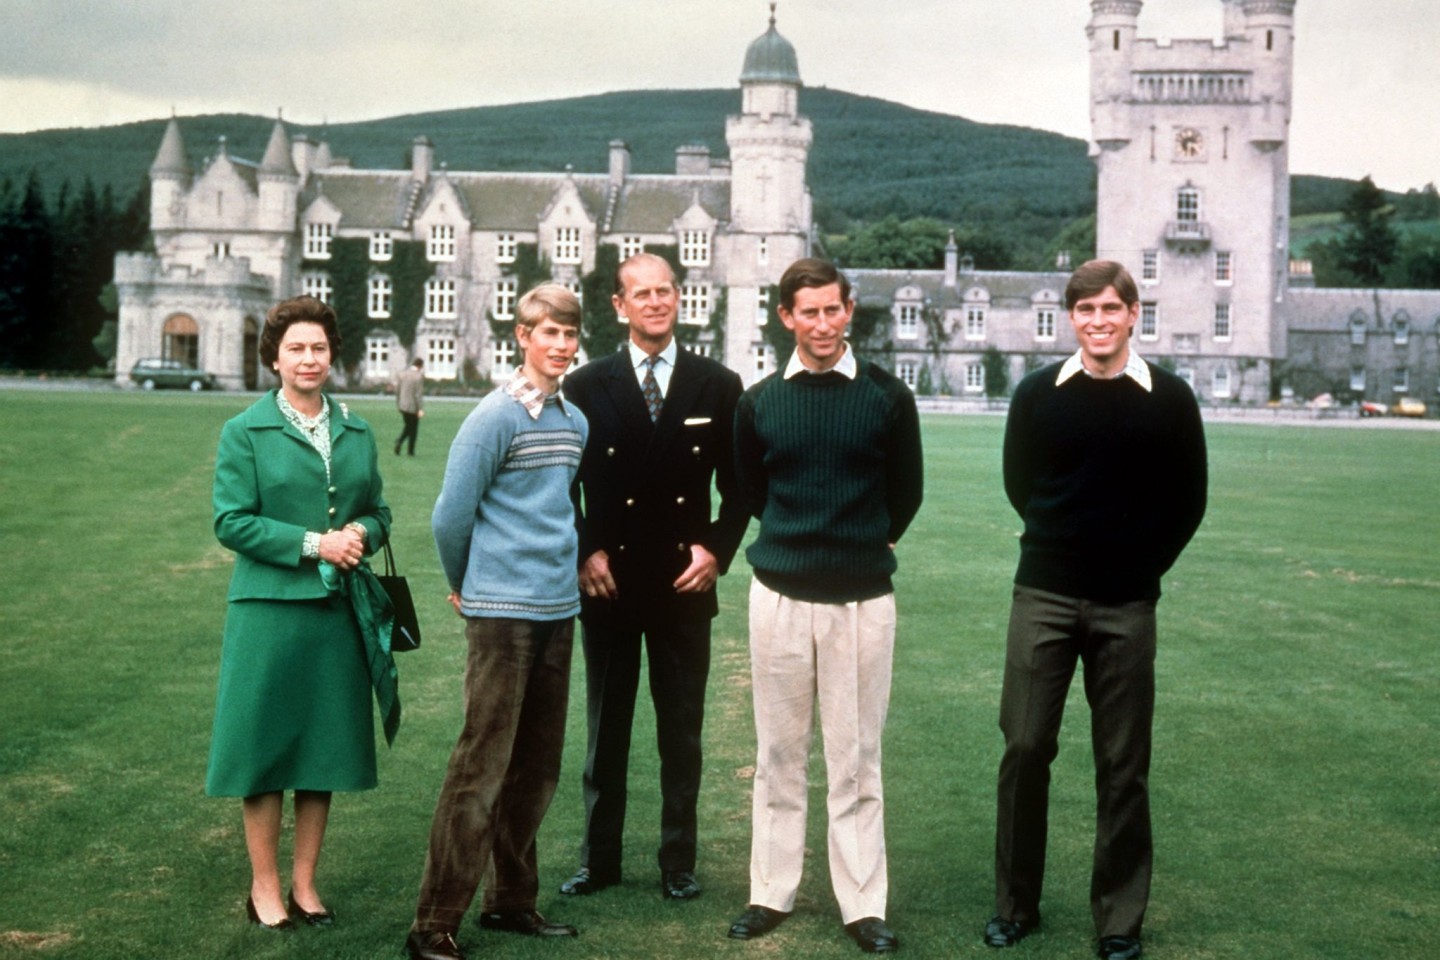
(832, 467)
(1110, 481)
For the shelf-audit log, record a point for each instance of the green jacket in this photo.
(270, 488)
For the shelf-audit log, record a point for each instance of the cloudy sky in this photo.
(1366, 79)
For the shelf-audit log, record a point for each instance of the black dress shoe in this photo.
(324, 918)
(432, 945)
(755, 921)
(1000, 932)
(586, 882)
(872, 935)
(527, 923)
(679, 885)
(1119, 948)
(285, 923)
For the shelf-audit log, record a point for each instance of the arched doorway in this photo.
(250, 366)
(181, 340)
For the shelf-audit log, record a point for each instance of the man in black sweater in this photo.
(1105, 464)
(828, 457)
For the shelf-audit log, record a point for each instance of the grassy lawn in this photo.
(1296, 785)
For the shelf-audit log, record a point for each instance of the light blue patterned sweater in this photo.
(504, 523)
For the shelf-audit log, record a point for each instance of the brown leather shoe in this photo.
(527, 923)
(432, 945)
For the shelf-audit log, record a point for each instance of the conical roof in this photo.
(277, 161)
(770, 58)
(170, 158)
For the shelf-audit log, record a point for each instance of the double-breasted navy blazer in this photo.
(645, 487)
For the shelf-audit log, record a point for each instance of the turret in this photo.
(1270, 28)
(770, 79)
(170, 176)
(279, 183)
(1234, 22)
(1112, 28)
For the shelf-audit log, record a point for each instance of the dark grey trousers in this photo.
(1048, 635)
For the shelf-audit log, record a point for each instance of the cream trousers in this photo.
(839, 654)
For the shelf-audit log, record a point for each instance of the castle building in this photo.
(1190, 141)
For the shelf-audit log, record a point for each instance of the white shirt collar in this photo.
(637, 355)
(1135, 369)
(846, 366)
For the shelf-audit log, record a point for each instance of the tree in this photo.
(918, 244)
(1368, 244)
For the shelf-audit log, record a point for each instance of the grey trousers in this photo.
(502, 772)
(1048, 635)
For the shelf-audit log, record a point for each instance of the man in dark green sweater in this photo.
(828, 458)
(1105, 464)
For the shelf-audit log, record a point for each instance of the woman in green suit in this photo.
(297, 497)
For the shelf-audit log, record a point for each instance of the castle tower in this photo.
(279, 183)
(170, 176)
(1190, 144)
(770, 211)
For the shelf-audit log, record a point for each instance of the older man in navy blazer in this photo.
(661, 420)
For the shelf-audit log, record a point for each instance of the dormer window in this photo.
(567, 245)
(907, 321)
(694, 248)
(440, 248)
(382, 247)
(317, 240)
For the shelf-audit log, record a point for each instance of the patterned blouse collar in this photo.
(529, 396)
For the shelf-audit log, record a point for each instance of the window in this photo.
(504, 306)
(181, 340)
(1045, 323)
(316, 285)
(377, 356)
(567, 245)
(1221, 330)
(905, 370)
(762, 306)
(764, 356)
(317, 240)
(441, 245)
(1224, 267)
(1220, 382)
(762, 251)
(440, 357)
(1187, 343)
(505, 247)
(1187, 205)
(695, 303)
(1149, 320)
(974, 378)
(907, 322)
(440, 298)
(382, 247)
(502, 360)
(694, 248)
(700, 349)
(1357, 379)
(1402, 379)
(975, 323)
(1402, 331)
(629, 246)
(1150, 266)
(1357, 331)
(220, 250)
(378, 300)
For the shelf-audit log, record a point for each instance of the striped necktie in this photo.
(650, 389)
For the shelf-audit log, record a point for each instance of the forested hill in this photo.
(871, 158)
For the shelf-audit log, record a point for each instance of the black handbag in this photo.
(405, 634)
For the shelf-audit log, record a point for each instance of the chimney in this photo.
(422, 158)
(619, 162)
(952, 258)
(692, 160)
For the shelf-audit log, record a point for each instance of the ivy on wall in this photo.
(601, 333)
(350, 269)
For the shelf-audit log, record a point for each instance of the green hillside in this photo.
(871, 158)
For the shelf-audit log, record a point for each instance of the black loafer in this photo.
(1119, 948)
(586, 882)
(679, 885)
(527, 923)
(432, 945)
(873, 935)
(322, 919)
(1000, 932)
(756, 921)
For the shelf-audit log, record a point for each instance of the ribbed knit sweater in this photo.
(1110, 481)
(504, 523)
(833, 469)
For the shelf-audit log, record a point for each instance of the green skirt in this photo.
(293, 710)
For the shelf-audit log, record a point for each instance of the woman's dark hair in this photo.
(292, 311)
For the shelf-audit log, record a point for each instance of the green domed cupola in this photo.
(770, 58)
